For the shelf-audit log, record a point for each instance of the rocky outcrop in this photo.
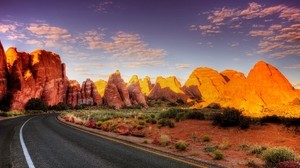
(135, 93)
(205, 84)
(87, 94)
(90, 95)
(101, 85)
(146, 85)
(3, 72)
(39, 74)
(73, 93)
(267, 86)
(116, 93)
(167, 89)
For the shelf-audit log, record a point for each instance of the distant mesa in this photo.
(41, 74)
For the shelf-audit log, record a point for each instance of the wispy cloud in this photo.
(123, 45)
(7, 28)
(102, 6)
(181, 66)
(293, 67)
(279, 37)
(142, 64)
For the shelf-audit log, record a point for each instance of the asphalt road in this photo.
(51, 144)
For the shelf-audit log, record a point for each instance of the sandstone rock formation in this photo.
(3, 72)
(146, 85)
(101, 85)
(205, 84)
(135, 93)
(264, 87)
(73, 93)
(167, 89)
(87, 94)
(90, 95)
(40, 74)
(116, 94)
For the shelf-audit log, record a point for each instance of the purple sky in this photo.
(158, 37)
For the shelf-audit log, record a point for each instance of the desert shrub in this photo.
(172, 104)
(194, 115)
(224, 145)
(272, 156)
(257, 149)
(206, 138)
(151, 120)
(164, 140)
(210, 148)
(60, 107)
(292, 122)
(79, 107)
(5, 102)
(218, 155)
(230, 118)
(271, 119)
(214, 106)
(141, 122)
(165, 122)
(36, 104)
(181, 145)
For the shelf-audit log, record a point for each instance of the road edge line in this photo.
(143, 148)
(24, 148)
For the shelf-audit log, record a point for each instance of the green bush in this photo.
(257, 149)
(230, 118)
(206, 138)
(164, 140)
(181, 145)
(36, 104)
(165, 122)
(272, 156)
(210, 148)
(5, 102)
(60, 107)
(218, 155)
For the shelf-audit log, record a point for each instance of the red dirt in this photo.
(269, 135)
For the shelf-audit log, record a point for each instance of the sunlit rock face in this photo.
(3, 72)
(73, 93)
(39, 74)
(167, 89)
(100, 85)
(205, 84)
(135, 92)
(146, 85)
(90, 95)
(265, 87)
(116, 93)
(87, 94)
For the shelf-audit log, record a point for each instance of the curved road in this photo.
(51, 144)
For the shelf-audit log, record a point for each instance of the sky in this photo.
(156, 37)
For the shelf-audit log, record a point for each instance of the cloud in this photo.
(293, 67)
(262, 33)
(234, 44)
(123, 46)
(297, 86)
(7, 28)
(279, 37)
(143, 64)
(181, 66)
(102, 6)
